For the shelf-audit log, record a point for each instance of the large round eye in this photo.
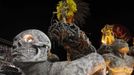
(28, 38)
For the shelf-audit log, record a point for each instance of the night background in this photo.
(17, 16)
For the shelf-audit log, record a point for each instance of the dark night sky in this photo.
(23, 14)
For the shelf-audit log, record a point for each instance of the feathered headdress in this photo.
(70, 11)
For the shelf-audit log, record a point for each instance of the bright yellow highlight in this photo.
(119, 70)
(107, 35)
(122, 70)
(66, 9)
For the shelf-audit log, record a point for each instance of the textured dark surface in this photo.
(7, 68)
(71, 38)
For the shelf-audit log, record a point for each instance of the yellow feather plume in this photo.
(107, 35)
(66, 9)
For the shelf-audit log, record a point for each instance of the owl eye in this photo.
(28, 38)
